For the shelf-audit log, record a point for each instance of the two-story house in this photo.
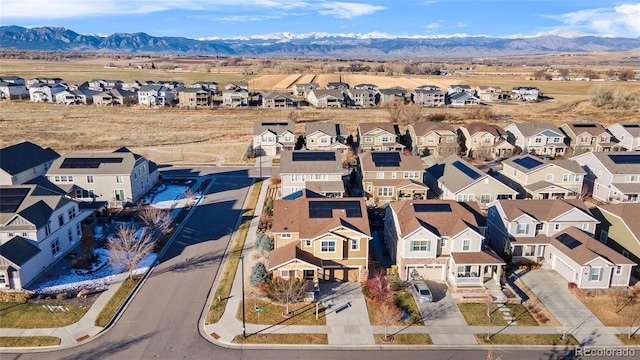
(486, 140)
(326, 98)
(325, 136)
(390, 176)
(458, 88)
(237, 85)
(432, 138)
(276, 100)
(208, 85)
(115, 96)
(489, 93)
(317, 170)
(462, 98)
(455, 179)
(38, 226)
(619, 228)
(22, 162)
(627, 135)
(44, 92)
(235, 97)
(12, 91)
(585, 137)
(428, 95)
(379, 137)
(319, 238)
(192, 97)
(270, 138)
(360, 97)
(615, 175)
(440, 240)
(303, 89)
(538, 178)
(392, 95)
(373, 87)
(525, 93)
(337, 85)
(155, 95)
(559, 233)
(539, 138)
(120, 177)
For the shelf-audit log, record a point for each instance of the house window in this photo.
(584, 139)
(485, 198)
(287, 273)
(556, 140)
(78, 193)
(464, 197)
(11, 235)
(529, 250)
(570, 178)
(367, 139)
(285, 236)
(625, 253)
(328, 246)
(119, 179)
(595, 274)
(449, 139)
(61, 220)
(79, 230)
(380, 175)
(618, 269)
(72, 213)
(539, 226)
(308, 274)
(119, 194)
(307, 243)
(585, 226)
(443, 243)
(522, 229)
(47, 230)
(633, 178)
(90, 179)
(3, 278)
(597, 186)
(549, 177)
(420, 245)
(70, 235)
(556, 226)
(55, 247)
(604, 236)
(538, 140)
(466, 245)
(355, 244)
(431, 140)
(385, 191)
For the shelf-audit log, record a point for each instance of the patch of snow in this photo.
(167, 196)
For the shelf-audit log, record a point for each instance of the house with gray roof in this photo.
(38, 226)
(391, 95)
(379, 137)
(525, 93)
(585, 137)
(276, 100)
(615, 175)
(538, 178)
(432, 138)
(539, 138)
(462, 98)
(271, 137)
(317, 170)
(193, 97)
(455, 179)
(489, 93)
(337, 85)
(360, 97)
(627, 135)
(366, 86)
(24, 161)
(120, 177)
(155, 95)
(331, 98)
(209, 85)
(428, 95)
(235, 97)
(42, 92)
(303, 89)
(115, 96)
(325, 136)
(13, 91)
(458, 88)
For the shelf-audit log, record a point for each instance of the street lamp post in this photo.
(244, 333)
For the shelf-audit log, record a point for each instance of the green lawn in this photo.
(319, 339)
(405, 339)
(526, 339)
(476, 314)
(406, 303)
(32, 316)
(304, 314)
(115, 302)
(28, 341)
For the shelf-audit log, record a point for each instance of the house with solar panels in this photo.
(455, 179)
(39, 224)
(627, 135)
(480, 139)
(391, 176)
(585, 137)
(24, 161)
(119, 178)
(615, 175)
(325, 136)
(440, 240)
(538, 178)
(432, 139)
(379, 137)
(320, 239)
(317, 170)
(538, 138)
(559, 234)
(270, 138)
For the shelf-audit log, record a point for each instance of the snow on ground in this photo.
(100, 279)
(168, 196)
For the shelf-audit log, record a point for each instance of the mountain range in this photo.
(315, 45)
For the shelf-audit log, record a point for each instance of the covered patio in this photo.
(475, 268)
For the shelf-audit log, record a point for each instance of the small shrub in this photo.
(263, 241)
(258, 274)
(60, 297)
(19, 297)
(572, 286)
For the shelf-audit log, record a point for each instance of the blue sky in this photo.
(233, 18)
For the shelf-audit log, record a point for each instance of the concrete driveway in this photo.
(346, 312)
(443, 310)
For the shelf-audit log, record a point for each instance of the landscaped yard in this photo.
(32, 316)
(526, 339)
(28, 341)
(304, 313)
(476, 314)
(318, 339)
(405, 339)
(404, 301)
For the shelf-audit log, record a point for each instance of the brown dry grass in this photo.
(604, 310)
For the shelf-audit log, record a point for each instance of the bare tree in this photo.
(396, 110)
(286, 291)
(390, 314)
(349, 158)
(126, 249)
(158, 221)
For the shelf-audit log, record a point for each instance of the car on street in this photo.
(421, 292)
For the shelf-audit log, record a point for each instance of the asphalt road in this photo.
(161, 322)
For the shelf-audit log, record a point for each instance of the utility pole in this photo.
(244, 332)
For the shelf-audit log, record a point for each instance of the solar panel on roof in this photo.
(584, 125)
(625, 158)
(528, 162)
(274, 124)
(569, 241)
(11, 198)
(384, 159)
(324, 209)
(314, 156)
(631, 126)
(431, 208)
(466, 170)
(87, 163)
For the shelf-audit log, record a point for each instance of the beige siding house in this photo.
(320, 98)
(585, 137)
(270, 138)
(320, 171)
(484, 140)
(325, 136)
(619, 228)
(391, 176)
(543, 179)
(379, 137)
(432, 138)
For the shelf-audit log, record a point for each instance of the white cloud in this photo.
(434, 25)
(346, 10)
(622, 20)
(428, 2)
(462, 24)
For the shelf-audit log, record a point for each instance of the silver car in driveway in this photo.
(421, 292)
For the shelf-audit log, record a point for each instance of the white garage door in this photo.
(563, 269)
(426, 273)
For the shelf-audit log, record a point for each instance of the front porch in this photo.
(473, 269)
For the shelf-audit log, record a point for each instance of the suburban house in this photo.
(585, 137)
(75, 85)
(337, 85)
(22, 162)
(75, 97)
(432, 138)
(440, 240)
(486, 140)
(462, 98)
(558, 233)
(391, 95)
(303, 89)
(373, 87)
(316, 170)
(38, 226)
(12, 79)
(539, 138)
(43, 80)
(525, 93)
(489, 93)
(155, 95)
(455, 179)
(538, 178)
(452, 89)
(319, 238)
(428, 95)
(391, 176)
(237, 85)
(619, 228)
(276, 100)
(115, 96)
(379, 137)
(360, 97)
(325, 98)
(12, 90)
(120, 177)
(325, 136)
(194, 97)
(102, 85)
(44, 92)
(615, 175)
(627, 135)
(132, 85)
(270, 138)
(207, 85)
(235, 97)
(171, 84)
